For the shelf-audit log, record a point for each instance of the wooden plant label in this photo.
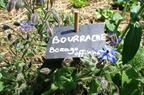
(67, 43)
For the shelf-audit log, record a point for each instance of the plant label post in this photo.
(76, 21)
(76, 41)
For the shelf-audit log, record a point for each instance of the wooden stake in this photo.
(76, 21)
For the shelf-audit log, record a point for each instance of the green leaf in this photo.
(94, 85)
(98, 15)
(117, 17)
(141, 80)
(20, 64)
(131, 88)
(79, 3)
(119, 2)
(63, 79)
(117, 79)
(107, 13)
(30, 53)
(0, 75)
(138, 61)
(1, 86)
(135, 8)
(131, 42)
(2, 3)
(110, 26)
(125, 78)
(130, 82)
(131, 73)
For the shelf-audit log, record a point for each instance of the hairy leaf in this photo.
(131, 42)
(110, 25)
(117, 17)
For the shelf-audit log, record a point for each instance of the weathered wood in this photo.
(76, 21)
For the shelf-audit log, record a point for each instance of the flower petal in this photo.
(105, 57)
(113, 51)
(112, 58)
(102, 52)
(119, 40)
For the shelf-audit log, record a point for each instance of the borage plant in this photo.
(25, 43)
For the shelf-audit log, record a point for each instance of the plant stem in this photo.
(138, 14)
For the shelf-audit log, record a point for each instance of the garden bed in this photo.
(115, 69)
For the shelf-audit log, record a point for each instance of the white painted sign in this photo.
(67, 43)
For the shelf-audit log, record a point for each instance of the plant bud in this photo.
(11, 5)
(19, 4)
(45, 71)
(67, 61)
(35, 18)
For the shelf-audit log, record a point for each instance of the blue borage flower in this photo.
(26, 26)
(114, 39)
(117, 41)
(107, 53)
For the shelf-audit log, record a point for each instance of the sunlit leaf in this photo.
(110, 25)
(2, 3)
(135, 8)
(98, 15)
(117, 17)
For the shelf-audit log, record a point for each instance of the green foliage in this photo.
(104, 14)
(130, 83)
(3, 3)
(110, 17)
(110, 26)
(138, 61)
(62, 80)
(126, 4)
(132, 78)
(79, 3)
(94, 86)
